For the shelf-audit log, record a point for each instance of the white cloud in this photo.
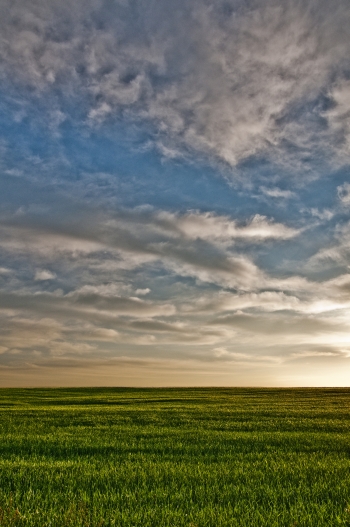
(324, 215)
(337, 251)
(344, 191)
(142, 292)
(212, 227)
(276, 192)
(228, 271)
(44, 274)
(5, 271)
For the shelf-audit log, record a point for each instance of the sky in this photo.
(174, 193)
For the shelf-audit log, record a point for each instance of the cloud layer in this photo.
(231, 80)
(175, 191)
(207, 295)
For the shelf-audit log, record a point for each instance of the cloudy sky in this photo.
(175, 192)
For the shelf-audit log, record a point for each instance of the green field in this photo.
(175, 457)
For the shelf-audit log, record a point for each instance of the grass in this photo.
(175, 457)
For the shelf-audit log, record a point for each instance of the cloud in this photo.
(42, 275)
(317, 353)
(344, 193)
(336, 251)
(338, 116)
(5, 271)
(276, 192)
(142, 292)
(211, 227)
(86, 300)
(221, 269)
(324, 215)
(49, 243)
(288, 326)
(223, 353)
(267, 301)
(83, 305)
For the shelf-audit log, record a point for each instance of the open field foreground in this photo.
(175, 457)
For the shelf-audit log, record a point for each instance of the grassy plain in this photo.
(175, 457)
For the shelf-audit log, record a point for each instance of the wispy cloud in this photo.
(214, 228)
(276, 192)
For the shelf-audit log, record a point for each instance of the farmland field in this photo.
(175, 457)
